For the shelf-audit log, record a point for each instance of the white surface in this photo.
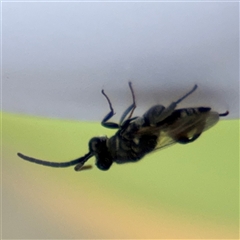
(58, 56)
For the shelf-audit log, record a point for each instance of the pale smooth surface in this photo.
(57, 56)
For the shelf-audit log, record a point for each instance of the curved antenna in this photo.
(80, 160)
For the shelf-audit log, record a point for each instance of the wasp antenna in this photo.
(224, 114)
(81, 160)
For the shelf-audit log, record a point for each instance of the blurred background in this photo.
(56, 58)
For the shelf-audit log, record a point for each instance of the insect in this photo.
(137, 136)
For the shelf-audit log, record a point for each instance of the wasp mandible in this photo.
(137, 136)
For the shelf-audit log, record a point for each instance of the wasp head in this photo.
(98, 147)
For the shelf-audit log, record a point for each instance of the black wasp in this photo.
(137, 136)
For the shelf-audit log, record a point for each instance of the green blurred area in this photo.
(199, 179)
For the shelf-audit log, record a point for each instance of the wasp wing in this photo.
(187, 127)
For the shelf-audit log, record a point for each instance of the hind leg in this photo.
(185, 140)
(129, 111)
(158, 113)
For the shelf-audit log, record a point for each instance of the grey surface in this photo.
(56, 57)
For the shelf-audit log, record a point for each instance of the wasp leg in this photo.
(185, 140)
(159, 113)
(224, 114)
(109, 115)
(131, 108)
(169, 110)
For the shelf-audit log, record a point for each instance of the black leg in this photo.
(131, 108)
(109, 115)
(169, 110)
(187, 94)
(129, 111)
(185, 140)
(159, 113)
(224, 114)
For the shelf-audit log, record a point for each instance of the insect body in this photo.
(137, 136)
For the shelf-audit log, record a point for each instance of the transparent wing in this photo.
(189, 126)
(164, 140)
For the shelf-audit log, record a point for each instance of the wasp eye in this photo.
(93, 144)
(96, 143)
